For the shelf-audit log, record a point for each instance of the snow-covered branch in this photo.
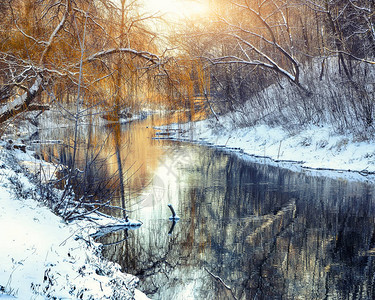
(154, 59)
(367, 61)
(21, 103)
(258, 47)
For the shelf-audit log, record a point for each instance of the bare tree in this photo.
(42, 53)
(84, 50)
(260, 35)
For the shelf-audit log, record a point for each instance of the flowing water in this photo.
(246, 231)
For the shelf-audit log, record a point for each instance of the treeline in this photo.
(290, 62)
(97, 52)
(286, 62)
(77, 55)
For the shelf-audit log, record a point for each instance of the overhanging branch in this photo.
(142, 54)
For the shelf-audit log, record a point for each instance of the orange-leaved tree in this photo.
(41, 51)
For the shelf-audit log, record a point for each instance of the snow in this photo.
(314, 149)
(140, 296)
(43, 257)
(19, 101)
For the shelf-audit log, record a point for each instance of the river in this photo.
(246, 231)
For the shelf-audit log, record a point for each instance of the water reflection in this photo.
(106, 152)
(248, 231)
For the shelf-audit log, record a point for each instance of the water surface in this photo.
(247, 230)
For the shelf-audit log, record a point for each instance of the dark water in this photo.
(264, 232)
(247, 230)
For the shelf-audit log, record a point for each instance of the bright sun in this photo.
(177, 8)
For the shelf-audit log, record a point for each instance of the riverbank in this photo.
(43, 257)
(313, 149)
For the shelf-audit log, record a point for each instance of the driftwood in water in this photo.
(174, 215)
(110, 228)
(172, 227)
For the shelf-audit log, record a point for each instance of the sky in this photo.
(177, 8)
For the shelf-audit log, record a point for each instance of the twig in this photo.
(222, 282)
(278, 153)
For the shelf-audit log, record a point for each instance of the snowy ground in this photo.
(313, 149)
(43, 257)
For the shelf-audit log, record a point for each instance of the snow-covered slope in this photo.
(313, 147)
(43, 257)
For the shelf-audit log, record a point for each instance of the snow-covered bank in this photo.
(313, 148)
(43, 257)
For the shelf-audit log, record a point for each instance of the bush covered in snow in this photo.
(42, 256)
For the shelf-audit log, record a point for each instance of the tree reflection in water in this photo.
(266, 232)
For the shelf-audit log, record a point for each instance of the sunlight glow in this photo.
(177, 8)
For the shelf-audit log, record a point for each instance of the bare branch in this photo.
(21, 103)
(142, 54)
(29, 36)
(54, 33)
(222, 282)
